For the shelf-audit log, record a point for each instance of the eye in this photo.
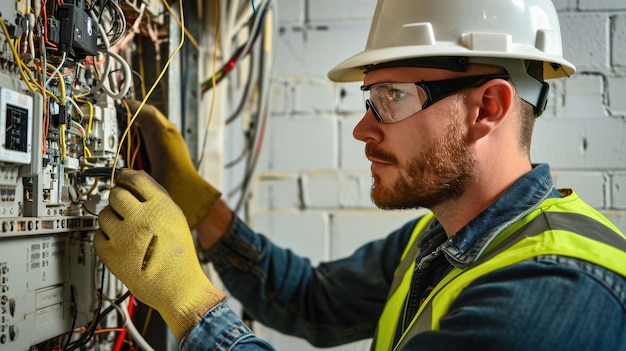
(396, 94)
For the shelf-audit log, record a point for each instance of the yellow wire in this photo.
(159, 77)
(15, 54)
(145, 324)
(130, 139)
(61, 84)
(90, 124)
(86, 149)
(213, 79)
(136, 152)
(193, 40)
(93, 186)
(88, 153)
(142, 69)
(62, 141)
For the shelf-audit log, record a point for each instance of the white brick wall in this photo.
(311, 192)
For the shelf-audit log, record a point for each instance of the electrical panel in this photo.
(65, 70)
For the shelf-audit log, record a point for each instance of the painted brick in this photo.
(618, 40)
(617, 218)
(617, 102)
(352, 153)
(584, 38)
(304, 233)
(313, 52)
(341, 11)
(299, 144)
(564, 5)
(320, 190)
(290, 55)
(277, 192)
(618, 191)
(317, 96)
(584, 96)
(328, 47)
(350, 98)
(355, 190)
(281, 97)
(590, 186)
(602, 5)
(290, 11)
(580, 143)
(351, 229)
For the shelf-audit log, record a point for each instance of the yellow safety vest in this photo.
(558, 226)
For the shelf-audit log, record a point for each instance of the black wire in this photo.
(239, 54)
(98, 317)
(246, 92)
(88, 334)
(259, 125)
(244, 152)
(74, 311)
(255, 35)
(98, 172)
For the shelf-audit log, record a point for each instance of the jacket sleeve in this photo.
(331, 304)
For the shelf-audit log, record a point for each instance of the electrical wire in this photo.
(241, 51)
(258, 132)
(134, 333)
(213, 78)
(159, 77)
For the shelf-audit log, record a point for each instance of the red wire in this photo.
(45, 24)
(120, 339)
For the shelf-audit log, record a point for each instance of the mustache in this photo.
(371, 151)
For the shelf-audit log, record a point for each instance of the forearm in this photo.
(333, 304)
(213, 226)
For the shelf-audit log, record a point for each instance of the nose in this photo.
(368, 129)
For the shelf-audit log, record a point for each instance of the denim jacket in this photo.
(547, 303)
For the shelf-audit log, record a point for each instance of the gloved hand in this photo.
(171, 165)
(145, 241)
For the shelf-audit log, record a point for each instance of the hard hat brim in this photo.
(352, 69)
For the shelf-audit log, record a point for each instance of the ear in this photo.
(494, 101)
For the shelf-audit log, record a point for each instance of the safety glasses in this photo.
(392, 102)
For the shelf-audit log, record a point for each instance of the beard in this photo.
(439, 174)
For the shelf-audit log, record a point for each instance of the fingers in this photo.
(139, 184)
(109, 221)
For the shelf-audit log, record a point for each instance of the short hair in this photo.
(525, 111)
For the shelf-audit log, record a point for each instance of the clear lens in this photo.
(395, 101)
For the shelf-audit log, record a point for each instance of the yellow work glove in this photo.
(144, 240)
(171, 165)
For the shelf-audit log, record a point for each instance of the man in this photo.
(504, 261)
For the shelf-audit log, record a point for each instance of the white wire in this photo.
(107, 46)
(45, 85)
(120, 13)
(127, 77)
(132, 330)
(78, 110)
(249, 11)
(127, 73)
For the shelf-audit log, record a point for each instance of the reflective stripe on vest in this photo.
(565, 226)
(390, 317)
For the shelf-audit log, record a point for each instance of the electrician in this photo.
(503, 260)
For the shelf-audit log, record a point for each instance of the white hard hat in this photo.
(504, 32)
